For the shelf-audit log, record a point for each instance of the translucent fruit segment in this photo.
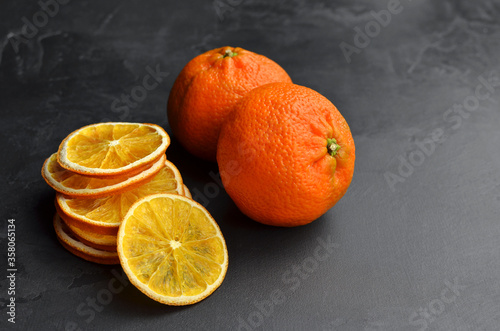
(86, 151)
(119, 131)
(198, 228)
(165, 280)
(192, 282)
(145, 266)
(164, 221)
(164, 181)
(180, 213)
(203, 266)
(148, 223)
(103, 209)
(143, 245)
(207, 248)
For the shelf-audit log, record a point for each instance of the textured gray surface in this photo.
(408, 248)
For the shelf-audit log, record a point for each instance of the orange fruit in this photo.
(104, 215)
(172, 249)
(285, 155)
(207, 89)
(75, 185)
(75, 246)
(111, 149)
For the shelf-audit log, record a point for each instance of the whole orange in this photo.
(207, 89)
(285, 155)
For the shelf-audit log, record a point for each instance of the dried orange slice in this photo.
(187, 193)
(72, 244)
(172, 249)
(99, 241)
(75, 185)
(104, 215)
(110, 149)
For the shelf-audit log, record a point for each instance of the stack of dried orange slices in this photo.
(119, 200)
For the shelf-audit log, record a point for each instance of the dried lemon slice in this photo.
(75, 185)
(110, 149)
(172, 249)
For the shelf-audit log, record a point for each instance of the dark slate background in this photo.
(414, 244)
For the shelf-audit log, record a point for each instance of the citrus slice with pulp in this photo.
(73, 245)
(172, 249)
(75, 185)
(110, 149)
(104, 215)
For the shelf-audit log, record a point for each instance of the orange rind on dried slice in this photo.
(172, 249)
(76, 185)
(110, 149)
(96, 240)
(104, 215)
(187, 193)
(75, 246)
